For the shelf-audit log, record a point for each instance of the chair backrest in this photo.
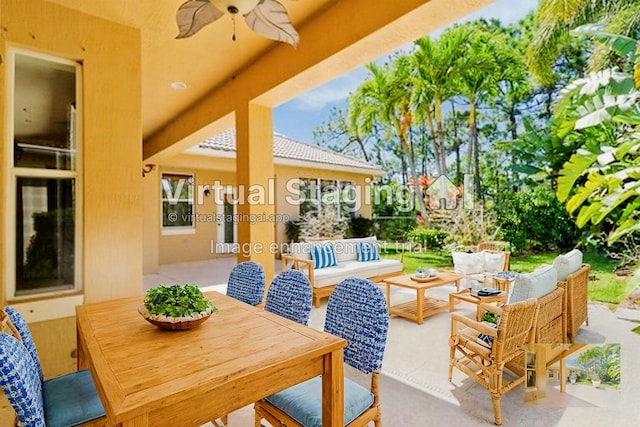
(20, 381)
(357, 311)
(515, 328)
(290, 295)
(494, 245)
(27, 339)
(246, 283)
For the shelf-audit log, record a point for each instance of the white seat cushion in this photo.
(568, 263)
(334, 275)
(536, 284)
(493, 262)
(468, 263)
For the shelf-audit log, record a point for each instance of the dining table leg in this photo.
(333, 390)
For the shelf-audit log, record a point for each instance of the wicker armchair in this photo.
(494, 245)
(486, 365)
(575, 299)
(550, 326)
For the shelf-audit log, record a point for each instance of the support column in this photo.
(256, 185)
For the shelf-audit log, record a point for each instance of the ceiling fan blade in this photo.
(270, 19)
(193, 15)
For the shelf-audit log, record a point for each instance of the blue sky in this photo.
(300, 116)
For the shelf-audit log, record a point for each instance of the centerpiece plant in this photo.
(176, 303)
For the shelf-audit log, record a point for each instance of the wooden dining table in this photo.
(147, 376)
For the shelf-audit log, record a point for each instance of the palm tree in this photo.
(556, 17)
(385, 98)
(436, 63)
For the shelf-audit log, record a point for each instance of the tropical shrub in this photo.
(536, 220)
(360, 227)
(323, 223)
(427, 237)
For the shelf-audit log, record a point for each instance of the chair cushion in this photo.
(493, 262)
(303, 402)
(70, 400)
(536, 284)
(368, 251)
(568, 263)
(468, 263)
(323, 255)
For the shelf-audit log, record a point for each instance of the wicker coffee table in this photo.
(468, 296)
(423, 306)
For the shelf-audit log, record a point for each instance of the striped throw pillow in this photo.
(368, 251)
(323, 255)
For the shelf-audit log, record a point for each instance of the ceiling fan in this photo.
(268, 18)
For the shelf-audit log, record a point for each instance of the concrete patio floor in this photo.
(415, 390)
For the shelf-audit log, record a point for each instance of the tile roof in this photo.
(287, 148)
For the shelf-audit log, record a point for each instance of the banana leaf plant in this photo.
(602, 179)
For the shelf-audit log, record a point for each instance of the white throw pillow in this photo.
(301, 250)
(493, 262)
(568, 263)
(468, 263)
(536, 284)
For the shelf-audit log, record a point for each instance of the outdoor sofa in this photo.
(329, 262)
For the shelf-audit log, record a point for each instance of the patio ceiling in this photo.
(336, 36)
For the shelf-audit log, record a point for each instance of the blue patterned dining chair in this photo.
(357, 311)
(25, 334)
(65, 401)
(290, 296)
(246, 283)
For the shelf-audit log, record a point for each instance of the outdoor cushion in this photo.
(367, 251)
(536, 284)
(70, 400)
(323, 255)
(301, 250)
(493, 262)
(333, 275)
(468, 263)
(303, 402)
(347, 249)
(568, 263)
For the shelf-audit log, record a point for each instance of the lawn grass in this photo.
(604, 285)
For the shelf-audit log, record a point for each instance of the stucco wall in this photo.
(110, 177)
(162, 249)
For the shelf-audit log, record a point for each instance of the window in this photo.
(44, 219)
(178, 216)
(319, 194)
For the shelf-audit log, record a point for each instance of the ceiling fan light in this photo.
(241, 7)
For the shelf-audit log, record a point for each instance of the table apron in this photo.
(214, 402)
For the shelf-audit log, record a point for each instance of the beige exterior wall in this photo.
(286, 173)
(162, 249)
(111, 193)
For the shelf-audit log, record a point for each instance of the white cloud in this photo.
(336, 90)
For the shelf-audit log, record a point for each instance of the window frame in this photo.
(173, 230)
(13, 173)
(316, 201)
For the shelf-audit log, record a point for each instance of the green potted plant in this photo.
(176, 307)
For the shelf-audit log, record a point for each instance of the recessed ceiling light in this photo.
(178, 85)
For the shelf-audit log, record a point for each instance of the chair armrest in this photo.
(296, 264)
(478, 326)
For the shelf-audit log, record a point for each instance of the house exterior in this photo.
(74, 150)
(206, 217)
